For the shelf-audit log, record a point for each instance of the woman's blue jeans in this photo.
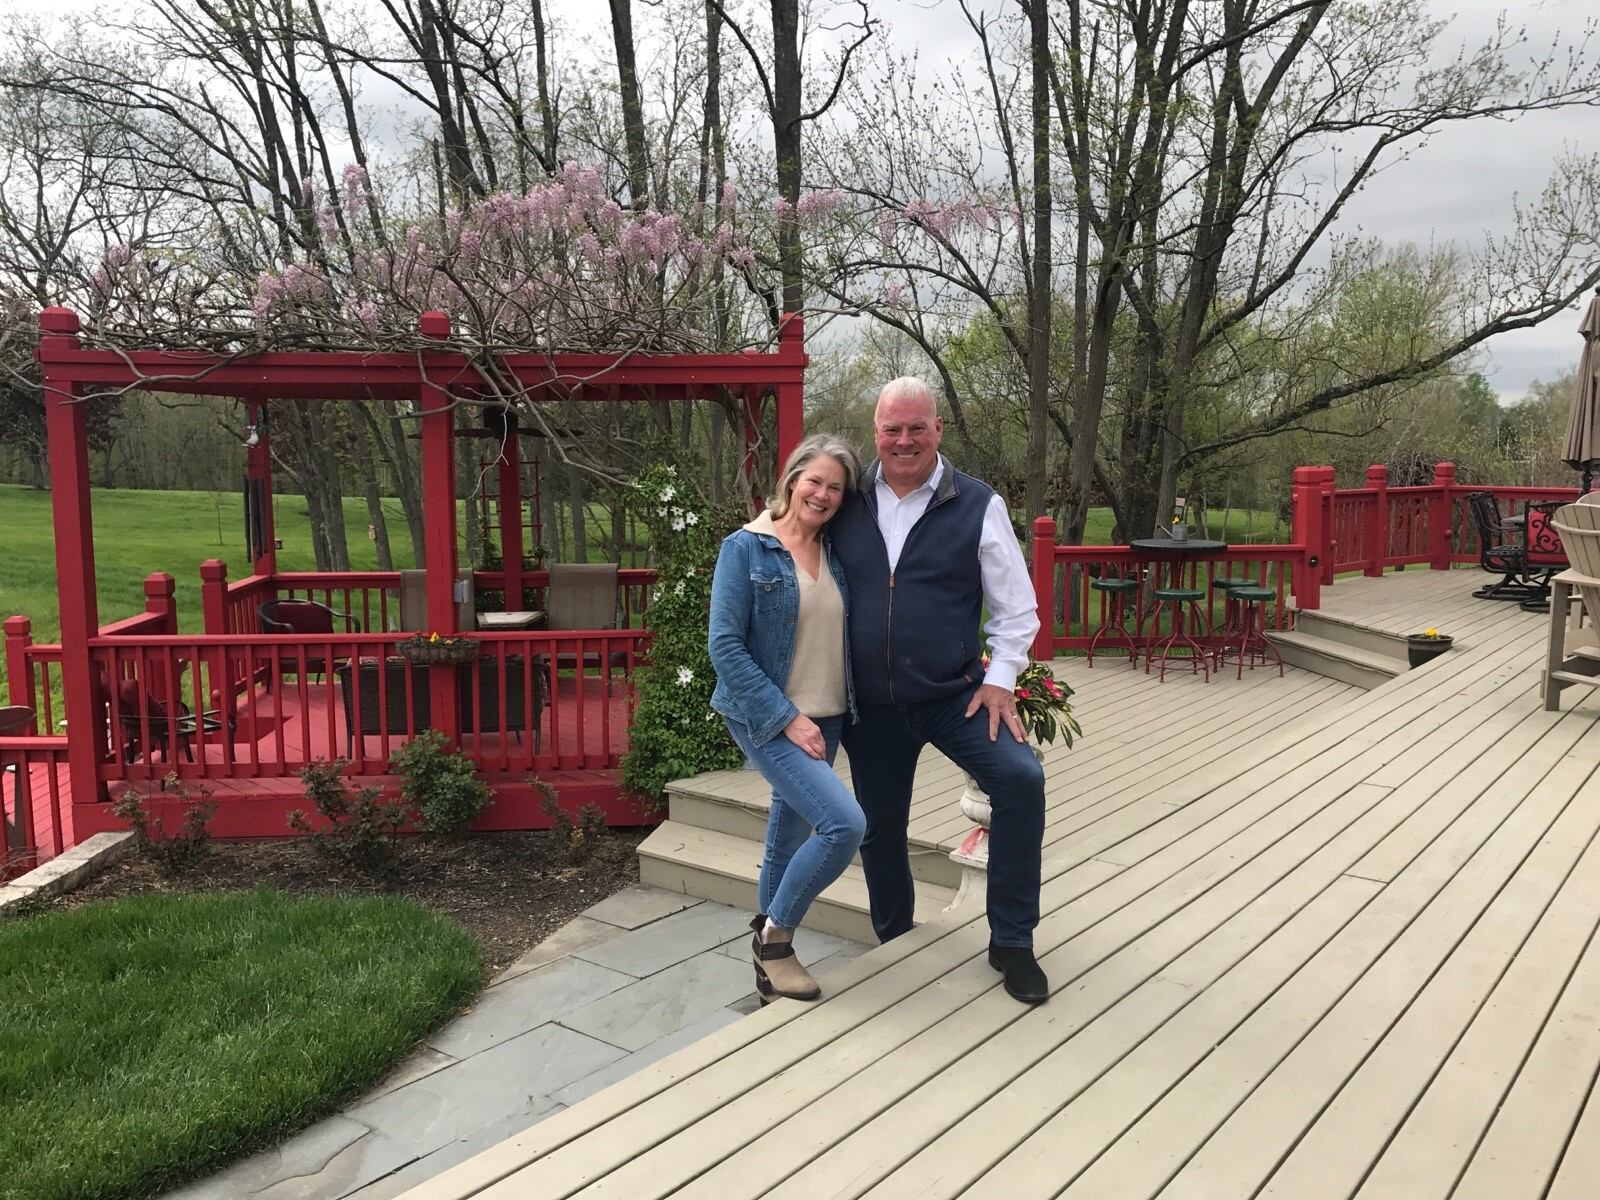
(814, 827)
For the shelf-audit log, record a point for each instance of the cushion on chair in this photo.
(1253, 594)
(1171, 593)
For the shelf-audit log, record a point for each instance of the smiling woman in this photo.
(777, 641)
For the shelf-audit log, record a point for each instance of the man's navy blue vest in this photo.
(914, 637)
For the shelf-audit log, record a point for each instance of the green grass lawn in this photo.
(144, 1041)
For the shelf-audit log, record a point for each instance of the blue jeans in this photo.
(884, 745)
(814, 827)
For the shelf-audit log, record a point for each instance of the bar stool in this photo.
(1252, 647)
(1230, 611)
(1119, 588)
(1173, 600)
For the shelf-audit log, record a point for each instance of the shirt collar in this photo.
(931, 483)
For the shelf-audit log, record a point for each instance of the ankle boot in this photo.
(778, 971)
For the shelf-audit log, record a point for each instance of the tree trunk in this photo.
(786, 143)
(380, 525)
(580, 537)
(1041, 298)
(632, 107)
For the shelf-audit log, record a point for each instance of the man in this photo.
(924, 548)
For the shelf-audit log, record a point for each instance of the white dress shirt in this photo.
(1007, 586)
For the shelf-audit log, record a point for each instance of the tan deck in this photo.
(1348, 954)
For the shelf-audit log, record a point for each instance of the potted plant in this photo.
(1426, 646)
(1178, 531)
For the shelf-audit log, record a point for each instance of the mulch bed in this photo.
(508, 890)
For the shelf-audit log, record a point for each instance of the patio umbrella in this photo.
(1582, 448)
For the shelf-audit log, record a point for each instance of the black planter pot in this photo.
(1421, 649)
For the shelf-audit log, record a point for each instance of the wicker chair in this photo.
(377, 701)
(298, 617)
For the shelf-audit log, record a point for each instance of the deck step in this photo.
(726, 801)
(723, 867)
(1337, 660)
(1347, 632)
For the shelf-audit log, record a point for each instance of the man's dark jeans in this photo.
(883, 747)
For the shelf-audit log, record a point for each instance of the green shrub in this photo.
(174, 853)
(674, 732)
(440, 783)
(360, 825)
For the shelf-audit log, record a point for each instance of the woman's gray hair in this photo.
(818, 445)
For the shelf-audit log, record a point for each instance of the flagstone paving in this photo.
(635, 978)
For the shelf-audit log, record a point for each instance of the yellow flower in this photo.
(433, 637)
(1430, 633)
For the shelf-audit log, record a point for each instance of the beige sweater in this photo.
(816, 678)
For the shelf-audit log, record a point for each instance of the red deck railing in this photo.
(34, 798)
(271, 704)
(1376, 527)
(1071, 610)
(373, 597)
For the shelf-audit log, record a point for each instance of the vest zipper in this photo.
(888, 640)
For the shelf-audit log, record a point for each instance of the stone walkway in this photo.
(637, 976)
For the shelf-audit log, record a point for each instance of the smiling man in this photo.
(924, 548)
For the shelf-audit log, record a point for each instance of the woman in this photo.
(777, 641)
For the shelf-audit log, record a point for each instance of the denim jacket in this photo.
(755, 605)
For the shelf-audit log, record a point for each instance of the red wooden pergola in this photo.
(431, 382)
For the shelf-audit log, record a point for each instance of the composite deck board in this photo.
(1346, 948)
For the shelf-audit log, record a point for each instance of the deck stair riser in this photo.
(1337, 660)
(1348, 633)
(724, 868)
(696, 802)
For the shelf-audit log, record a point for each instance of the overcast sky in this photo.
(1464, 183)
(1460, 185)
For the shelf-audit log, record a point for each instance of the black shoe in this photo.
(1024, 979)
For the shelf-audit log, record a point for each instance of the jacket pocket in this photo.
(766, 592)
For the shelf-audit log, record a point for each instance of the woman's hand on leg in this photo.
(804, 732)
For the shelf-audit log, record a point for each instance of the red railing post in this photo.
(161, 599)
(436, 405)
(1044, 587)
(1441, 517)
(1378, 519)
(1306, 530)
(1329, 551)
(791, 396)
(214, 595)
(19, 679)
(77, 599)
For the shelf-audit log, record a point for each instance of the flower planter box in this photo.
(452, 651)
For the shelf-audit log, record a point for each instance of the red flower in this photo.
(1022, 693)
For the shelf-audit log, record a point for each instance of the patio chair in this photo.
(1545, 555)
(377, 697)
(168, 723)
(15, 721)
(583, 596)
(300, 617)
(414, 601)
(1497, 555)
